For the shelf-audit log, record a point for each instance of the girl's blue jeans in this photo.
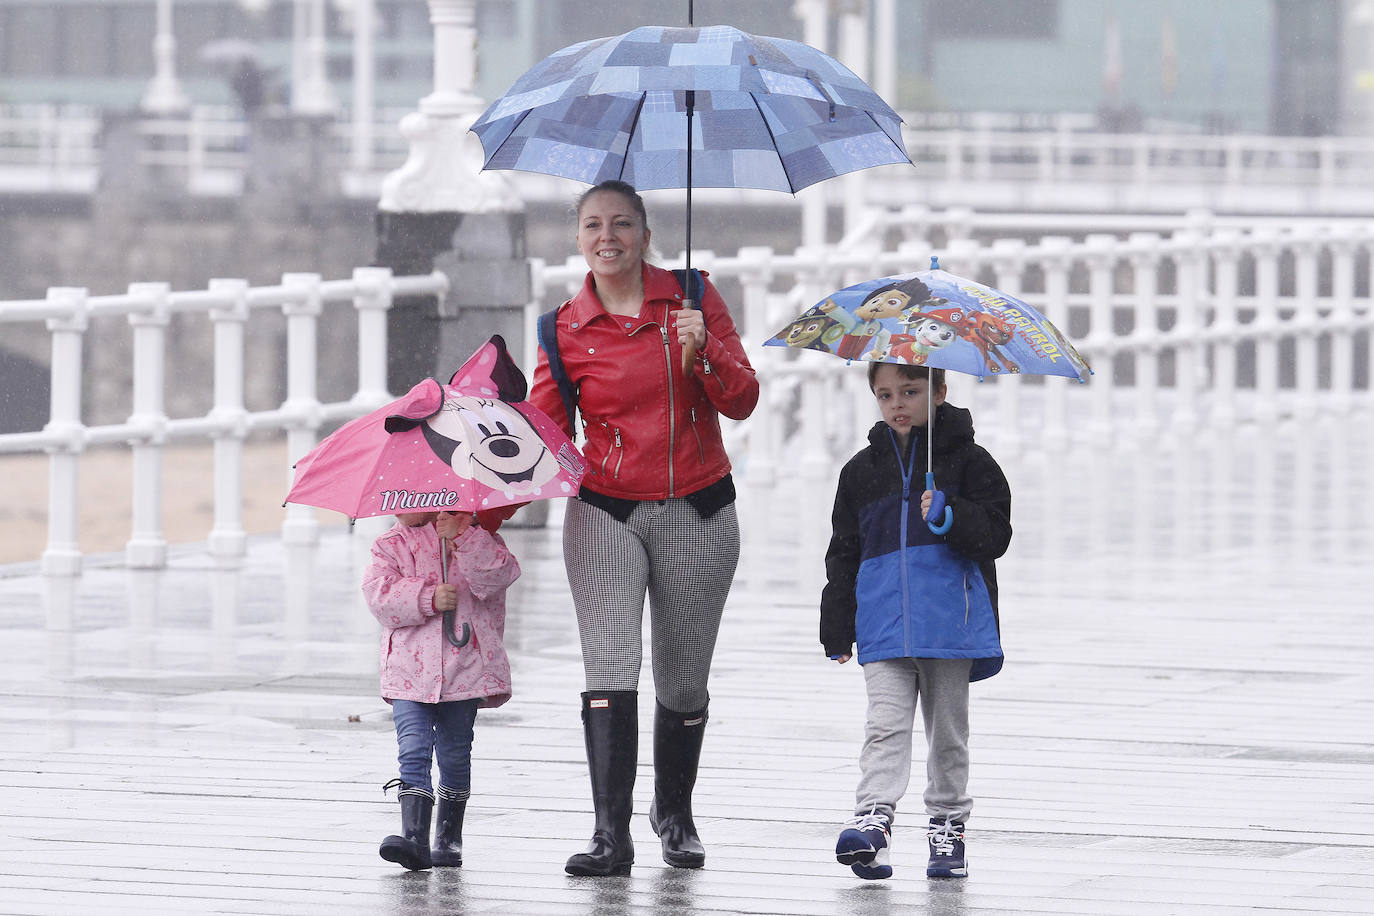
(426, 731)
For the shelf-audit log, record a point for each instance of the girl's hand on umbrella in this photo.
(451, 524)
(445, 598)
(691, 327)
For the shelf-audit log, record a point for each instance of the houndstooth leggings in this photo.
(684, 563)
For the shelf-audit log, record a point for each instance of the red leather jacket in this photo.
(650, 432)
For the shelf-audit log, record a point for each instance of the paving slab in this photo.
(1182, 725)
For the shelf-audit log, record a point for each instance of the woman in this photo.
(655, 515)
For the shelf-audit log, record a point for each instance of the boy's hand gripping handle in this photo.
(937, 507)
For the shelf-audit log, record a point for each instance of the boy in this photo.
(922, 606)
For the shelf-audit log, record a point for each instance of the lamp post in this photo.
(310, 92)
(444, 170)
(364, 76)
(440, 211)
(164, 95)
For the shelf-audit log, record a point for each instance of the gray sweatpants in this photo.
(895, 686)
(685, 565)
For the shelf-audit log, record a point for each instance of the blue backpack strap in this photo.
(693, 287)
(547, 332)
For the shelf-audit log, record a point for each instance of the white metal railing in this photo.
(1188, 330)
(227, 306)
(1055, 163)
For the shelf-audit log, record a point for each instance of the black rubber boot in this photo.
(677, 749)
(610, 724)
(411, 849)
(448, 828)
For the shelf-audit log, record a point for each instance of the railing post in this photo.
(302, 403)
(1145, 257)
(61, 561)
(372, 302)
(1188, 322)
(760, 474)
(1342, 245)
(1055, 259)
(1100, 254)
(228, 541)
(1225, 326)
(147, 547)
(1264, 243)
(1008, 261)
(1306, 245)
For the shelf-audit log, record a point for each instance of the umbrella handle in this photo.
(449, 616)
(458, 641)
(935, 506)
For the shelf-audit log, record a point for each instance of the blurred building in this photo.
(1299, 67)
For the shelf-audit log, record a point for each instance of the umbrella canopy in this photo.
(934, 318)
(470, 445)
(769, 113)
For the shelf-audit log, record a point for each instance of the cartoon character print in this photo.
(927, 333)
(863, 327)
(989, 334)
(812, 330)
(491, 442)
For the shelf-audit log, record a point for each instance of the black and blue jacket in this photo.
(892, 585)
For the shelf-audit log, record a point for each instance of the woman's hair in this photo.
(936, 376)
(615, 186)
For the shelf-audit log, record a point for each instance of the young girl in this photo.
(435, 687)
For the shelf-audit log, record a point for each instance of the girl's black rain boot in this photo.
(448, 827)
(411, 849)
(610, 726)
(677, 749)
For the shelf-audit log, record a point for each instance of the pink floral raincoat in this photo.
(417, 663)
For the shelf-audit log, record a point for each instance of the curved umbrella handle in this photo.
(450, 616)
(458, 641)
(936, 505)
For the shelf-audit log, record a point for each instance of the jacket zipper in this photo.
(672, 419)
(902, 533)
(613, 432)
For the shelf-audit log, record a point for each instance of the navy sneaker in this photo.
(947, 859)
(865, 845)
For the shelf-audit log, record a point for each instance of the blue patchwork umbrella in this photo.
(713, 107)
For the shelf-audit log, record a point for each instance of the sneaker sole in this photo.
(947, 872)
(872, 872)
(854, 850)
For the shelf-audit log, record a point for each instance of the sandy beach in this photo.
(188, 508)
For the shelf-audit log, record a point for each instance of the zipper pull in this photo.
(705, 366)
(617, 437)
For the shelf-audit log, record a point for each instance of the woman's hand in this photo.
(691, 327)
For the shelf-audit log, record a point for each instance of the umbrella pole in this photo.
(944, 525)
(689, 352)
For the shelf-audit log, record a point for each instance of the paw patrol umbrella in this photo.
(936, 319)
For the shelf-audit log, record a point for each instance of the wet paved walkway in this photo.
(1183, 724)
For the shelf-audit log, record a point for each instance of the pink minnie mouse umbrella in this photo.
(471, 445)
